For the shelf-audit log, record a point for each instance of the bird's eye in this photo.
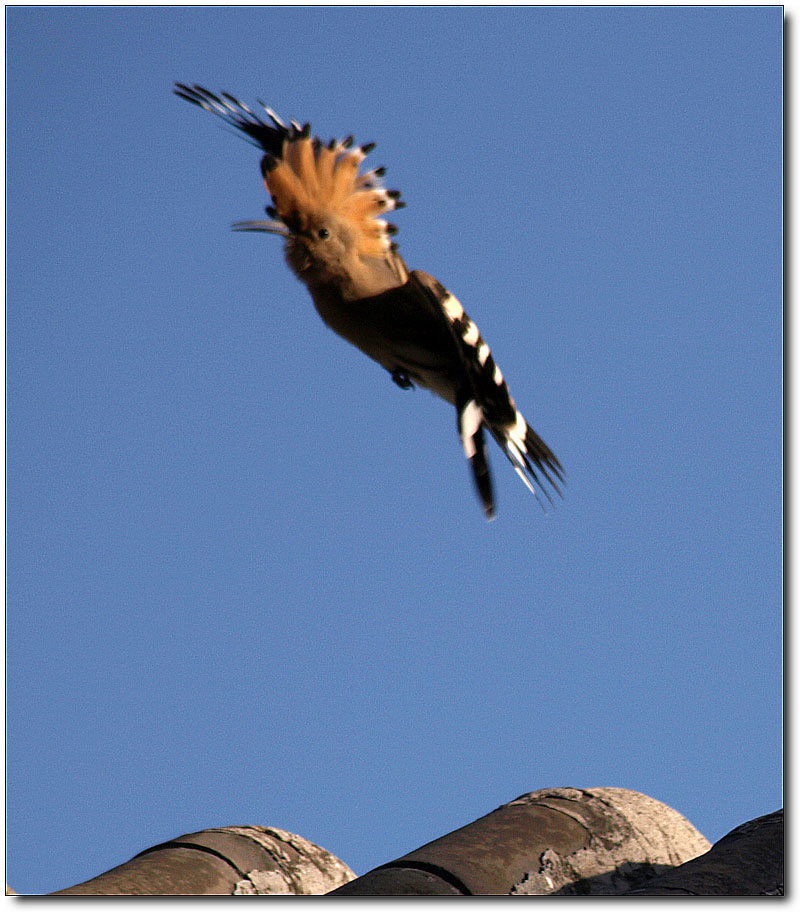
(323, 233)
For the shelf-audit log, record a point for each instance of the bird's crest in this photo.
(306, 177)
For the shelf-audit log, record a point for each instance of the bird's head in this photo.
(327, 211)
(320, 245)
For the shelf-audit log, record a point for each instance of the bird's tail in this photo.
(470, 429)
(530, 456)
(532, 459)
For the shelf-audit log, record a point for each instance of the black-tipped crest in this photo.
(268, 163)
(303, 176)
(236, 114)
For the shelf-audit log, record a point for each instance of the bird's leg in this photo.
(401, 378)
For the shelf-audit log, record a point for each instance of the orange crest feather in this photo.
(312, 179)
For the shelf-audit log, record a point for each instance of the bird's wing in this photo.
(483, 398)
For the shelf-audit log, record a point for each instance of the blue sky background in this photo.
(248, 580)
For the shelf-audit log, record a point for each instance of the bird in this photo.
(330, 215)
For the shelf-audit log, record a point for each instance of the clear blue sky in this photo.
(248, 579)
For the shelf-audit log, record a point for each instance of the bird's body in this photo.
(406, 321)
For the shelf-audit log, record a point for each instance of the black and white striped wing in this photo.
(484, 400)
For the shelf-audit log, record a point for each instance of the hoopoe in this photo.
(327, 211)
